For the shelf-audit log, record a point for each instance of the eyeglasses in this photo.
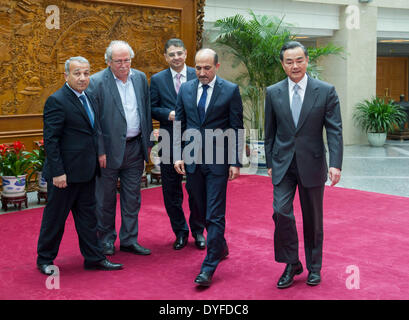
(125, 61)
(177, 53)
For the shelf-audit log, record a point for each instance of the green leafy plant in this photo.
(38, 156)
(256, 43)
(378, 116)
(14, 160)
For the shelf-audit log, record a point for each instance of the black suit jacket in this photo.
(70, 141)
(163, 95)
(224, 115)
(282, 139)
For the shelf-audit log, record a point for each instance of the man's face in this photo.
(295, 63)
(120, 63)
(205, 68)
(176, 57)
(78, 77)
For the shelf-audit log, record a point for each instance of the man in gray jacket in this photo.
(123, 101)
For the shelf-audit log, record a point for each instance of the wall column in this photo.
(354, 76)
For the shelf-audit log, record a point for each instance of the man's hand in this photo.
(334, 175)
(234, 172)
(60, 181)
(180, 166)
(270, 172)
(172, 116)
(102, 160)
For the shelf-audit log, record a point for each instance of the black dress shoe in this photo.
(204, 279)
(44, 268)
(108, 249)
(180, 243)
(103, 265)
(287, 278)
(314, 278)
(136, 249)
(200, 241)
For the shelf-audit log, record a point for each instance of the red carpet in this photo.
(367, 231)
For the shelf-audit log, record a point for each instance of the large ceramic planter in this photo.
(257, 154)
(376, 139)
(14, 186)
(42, 183)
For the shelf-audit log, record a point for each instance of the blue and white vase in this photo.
(14, 186)
(42, 183)
(257, 154)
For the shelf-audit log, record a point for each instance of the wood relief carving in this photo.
(32, 54)
(199, 23)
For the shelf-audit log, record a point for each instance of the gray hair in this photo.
(108, 52)
(79, 59)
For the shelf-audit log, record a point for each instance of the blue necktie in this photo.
(202, 103)
(296, 105)
(87, 109)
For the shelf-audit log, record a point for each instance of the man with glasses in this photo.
(164, 89)
(122, 97)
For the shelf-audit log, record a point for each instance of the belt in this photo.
(130, 139)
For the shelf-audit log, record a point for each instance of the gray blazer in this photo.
(112, 139)
(282, 139)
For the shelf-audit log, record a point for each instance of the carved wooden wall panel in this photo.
(33, 50)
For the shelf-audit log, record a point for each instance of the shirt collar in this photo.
(302, 83)
(75, 91)
(210, 84)
(116, 79)
(183, 72)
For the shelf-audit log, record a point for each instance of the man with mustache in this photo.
(205, 105)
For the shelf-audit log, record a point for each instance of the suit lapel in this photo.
(138, 94)
(77, 103)
(169, 83)
(194, 86)
(216, 91)
(191, 74)
(284, 101)
(311, 94)
(109, 77)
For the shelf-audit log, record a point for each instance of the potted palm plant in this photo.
(15, 163)
(256, 42)
(377, 117)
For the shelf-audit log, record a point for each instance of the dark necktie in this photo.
(87, 109)
(296, 105)
(202, 103)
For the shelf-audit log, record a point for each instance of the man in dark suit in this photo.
(296, 111)
(210, 111)
(122, 99)
(70, 140)
(164, 89)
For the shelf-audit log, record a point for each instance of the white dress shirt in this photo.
(183, 74)
(130, 105)
(301, 91)
(209, 92)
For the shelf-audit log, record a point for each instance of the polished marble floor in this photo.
(377, 169)
(382, 169)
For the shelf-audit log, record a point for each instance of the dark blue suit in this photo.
(163, 101)
(207, 180)
(71, 145)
